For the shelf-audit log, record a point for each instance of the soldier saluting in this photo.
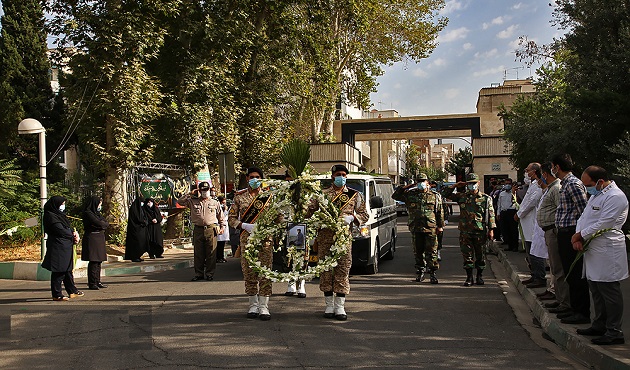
(476, 221)
(426, 220)
(248, 204)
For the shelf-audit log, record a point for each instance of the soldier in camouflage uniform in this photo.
(476, 221)
(352, 210)
(248, 203)
(426, 220)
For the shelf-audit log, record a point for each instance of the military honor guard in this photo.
(476, 222)
(248, 204)
(206, 214)
(426, 220)
(336, 284)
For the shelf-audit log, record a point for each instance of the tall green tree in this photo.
(25, 90)
(116, 99)
(459, 161)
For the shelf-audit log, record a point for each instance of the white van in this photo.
(376, 239)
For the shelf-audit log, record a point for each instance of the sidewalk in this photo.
(174, 259)
(564, 335)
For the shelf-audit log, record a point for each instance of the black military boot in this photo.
(420, 276)
(479, 280)
(434, 279)
(469, 278)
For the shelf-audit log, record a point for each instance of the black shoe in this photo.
(559, 310)
(469, 278)
(301, 295)
(479, 280)
(159, 256)
(576, 319)
(536, 283)
(341, 317)
(137, 260)
(101, 285)
(197, 278)
(565, 314)
(434, 279)
(252, 315)
(152, 257)
(527, 281)
(606, 340)
(288, 294)
(265, 317)
(329, 315)
(420, 277)
(546, 296)
(93, 287)
(590, 331)
(552, 304)
(209, 278)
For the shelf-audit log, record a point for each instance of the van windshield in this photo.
(355, 184)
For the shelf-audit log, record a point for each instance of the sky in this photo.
(476, 49)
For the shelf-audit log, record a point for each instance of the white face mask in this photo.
(205, 194)
(527, 180)
(62, 207)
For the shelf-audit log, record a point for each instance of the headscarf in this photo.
(53, 215)
(152, 212)
(91, 206)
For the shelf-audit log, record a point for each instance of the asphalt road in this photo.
(161, 320)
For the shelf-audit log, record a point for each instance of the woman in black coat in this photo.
(137, 238)
(154, 228)
(93, 244)
(58, 259)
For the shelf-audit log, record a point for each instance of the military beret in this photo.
(339, 167)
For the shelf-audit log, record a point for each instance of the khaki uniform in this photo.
(426, 214)
(254, 284)
(337, 280)
(475, 220)
(206, 216)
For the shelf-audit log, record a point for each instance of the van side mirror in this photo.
(376, 202)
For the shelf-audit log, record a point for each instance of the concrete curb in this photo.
(31, 270)
(563, 335)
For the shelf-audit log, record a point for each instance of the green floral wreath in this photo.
(290, 203)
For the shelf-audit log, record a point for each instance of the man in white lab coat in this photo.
(526, 215)
(605, 260)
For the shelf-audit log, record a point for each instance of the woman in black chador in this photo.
(93, 250)
(154, 228)
(58, 259)
(137, 240)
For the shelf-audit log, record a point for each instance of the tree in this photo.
(25, 90)
(462, 159)
(109, 88)
(412, 161)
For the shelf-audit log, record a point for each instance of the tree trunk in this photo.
(174, 224)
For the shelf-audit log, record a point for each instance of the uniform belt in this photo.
(206, 226)
(549, 227)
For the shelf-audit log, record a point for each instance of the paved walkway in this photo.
(564, 335)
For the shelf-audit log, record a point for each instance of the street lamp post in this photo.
(33, 126)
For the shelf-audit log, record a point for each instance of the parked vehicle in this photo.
(401, 208)
(376, 239)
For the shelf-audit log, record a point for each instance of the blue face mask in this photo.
(422, 185)
(340, 181)
(472, 187)
(592, 190)
(544, 181)
(254, 183)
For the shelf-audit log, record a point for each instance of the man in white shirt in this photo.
(605, 260)
(505, 212)
(526, 215)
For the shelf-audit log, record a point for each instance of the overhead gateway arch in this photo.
(409, 128)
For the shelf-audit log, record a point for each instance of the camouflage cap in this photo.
(422, 176)
(472, 177)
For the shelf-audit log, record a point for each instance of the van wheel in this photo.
(392, 249)
(373, 268)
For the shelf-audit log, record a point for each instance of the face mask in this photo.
(212, 193)
(141, 204)
(62, 207)
(543, 179)
(150, 204)
(507, 187)
(422, 185)
(527, 180)
(99, 208)
(340, 181)
(554, 173)
(592, 190)
(472, 187)
(205, 194)
(254, 183)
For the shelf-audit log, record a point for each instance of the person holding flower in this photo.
(598, 235)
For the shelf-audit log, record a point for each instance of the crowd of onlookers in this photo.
(554, 217)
